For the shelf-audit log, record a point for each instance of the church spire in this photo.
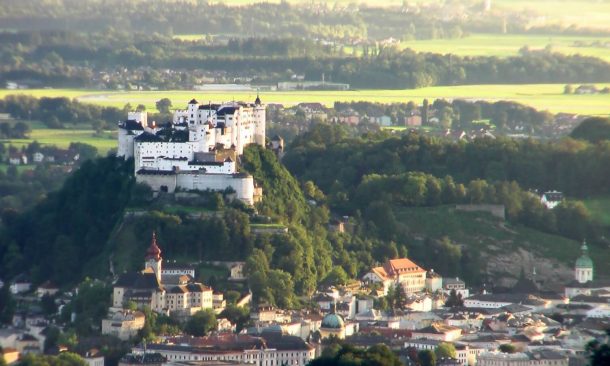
(153, 251)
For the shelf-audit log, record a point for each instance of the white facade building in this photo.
(191, 151)
(266, 350)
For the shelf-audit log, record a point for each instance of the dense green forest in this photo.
(312, 20)
(376, 173)
(81, 229)
(67, 59)
(68, 235)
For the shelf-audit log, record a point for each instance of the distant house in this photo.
(551, 199)
(313, 110)
(18, 159)
(123, 324)
(349, 117)
(47, 288)
(457, 285)
(586, 89)
(237, 271)
(381, 120)
(414, 120)
(21, 284)
(66, 157)
(437, 331)
(38, 157)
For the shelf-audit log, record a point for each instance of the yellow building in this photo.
(400, 271)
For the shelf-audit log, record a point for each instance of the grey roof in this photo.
(131, 125)
(148, 137)
(138, 280)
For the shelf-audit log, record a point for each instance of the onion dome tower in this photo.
(153, 257)
(583, 270)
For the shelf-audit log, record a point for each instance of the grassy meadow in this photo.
(540, 96)
(505, 45)
(62, 138)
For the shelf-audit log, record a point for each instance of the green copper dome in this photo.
(584, 261)
(333, 321)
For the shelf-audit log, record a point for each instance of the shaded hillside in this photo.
(497, 248)
(594, 129)
(80, 230)
(63, 237)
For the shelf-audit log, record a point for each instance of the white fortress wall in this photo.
(243, 185)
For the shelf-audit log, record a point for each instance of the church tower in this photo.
(583, 270)
(153, 257)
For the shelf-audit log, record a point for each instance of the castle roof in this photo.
(131, 125)
(148, 137)
(193, 101)
(227, 110)
(153, 251)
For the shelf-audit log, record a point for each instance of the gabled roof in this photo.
(401, 265)
(437, 328)
(138, 280)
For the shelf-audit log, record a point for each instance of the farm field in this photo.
(566, 12)
(505, 45)
(540, 96)
(62, 138)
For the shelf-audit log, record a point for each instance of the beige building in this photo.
(538, 358)
(124, 324)
(161, 292)
(401, 271)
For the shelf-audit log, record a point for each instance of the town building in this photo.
(270, 348)
(535, 358)
(143, 359)
(177, 294)
(401, 272)
(551, 199)
(584, 282)
(333, 325)
(198, 150)
(123, 324)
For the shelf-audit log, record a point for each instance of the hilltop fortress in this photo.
(198, 150)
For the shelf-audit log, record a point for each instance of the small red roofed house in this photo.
(398, 271)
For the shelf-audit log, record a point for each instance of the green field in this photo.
(505, 45)
(594, 14)
(63, 138)
(540, 96)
